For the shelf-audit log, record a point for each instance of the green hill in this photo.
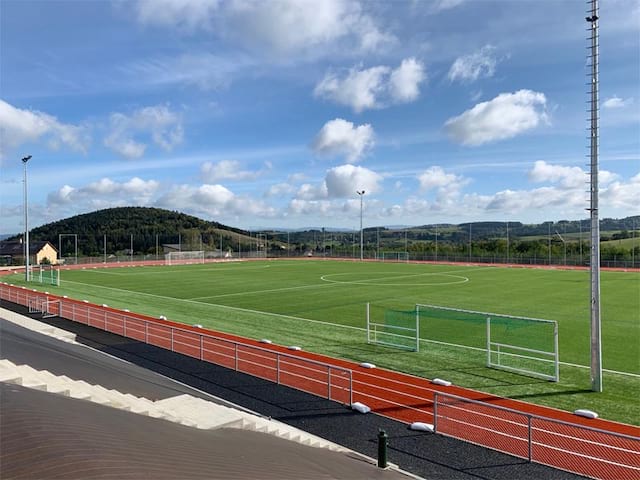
(150, 227)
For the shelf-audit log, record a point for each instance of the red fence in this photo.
(597, 453)
(588, 451)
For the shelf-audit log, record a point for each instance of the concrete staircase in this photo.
(183, 409)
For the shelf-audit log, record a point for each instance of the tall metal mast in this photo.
(596, 343)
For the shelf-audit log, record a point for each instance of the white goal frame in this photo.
(184, 258)
(498, 354)
(393, 256)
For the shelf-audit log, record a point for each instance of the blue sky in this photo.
(272, 113)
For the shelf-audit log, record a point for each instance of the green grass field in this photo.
(320, 305)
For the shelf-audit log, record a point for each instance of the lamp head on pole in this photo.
(360, 192)
(26, 159)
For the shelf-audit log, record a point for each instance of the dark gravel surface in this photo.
(427, 455)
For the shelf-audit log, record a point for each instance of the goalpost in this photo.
(394, 256)
(523, 345)
(184, 258)
(45, 274)
(527, 346)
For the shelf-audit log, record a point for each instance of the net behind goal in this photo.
(527, 346)
(45, 274)
(393, 328)
(184, 258)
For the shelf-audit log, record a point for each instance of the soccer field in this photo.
(320, 306)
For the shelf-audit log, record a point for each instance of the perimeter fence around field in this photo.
(587, 451)
(580, 449)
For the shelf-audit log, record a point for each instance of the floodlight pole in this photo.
(361, 194)
(596, 341)
(26, 221)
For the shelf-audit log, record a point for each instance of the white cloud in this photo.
(19, 127)
(507, 115)
(358, 90)
(340, 137)
(624, 195)
(213, 201)
(568, 177)
(226, 170)
(617, 102)
(279, 189)
(479, 64)
(440, 5)
(105, 193)
(276, 26)
(163, 126)
(345, 180)
(311, 192)
(405, 80)
(374, 87)
(447, 185)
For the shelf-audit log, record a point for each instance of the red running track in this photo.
(592, 447)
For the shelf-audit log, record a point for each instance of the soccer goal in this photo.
(184, 258)
(45, 274)
(394, 256)
(393, 328)
(527, 346)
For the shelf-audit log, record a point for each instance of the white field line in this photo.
(271, 290)
(239, 309)
(166, 270)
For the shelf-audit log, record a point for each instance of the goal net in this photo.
(184, 258)
(394, 256)
(527, 346)
(393, 328)
(45, 274)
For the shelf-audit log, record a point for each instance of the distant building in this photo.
(12, 253)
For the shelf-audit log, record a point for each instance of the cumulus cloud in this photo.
(157, 124)
(568, 177)
(507, 115)
(447, 185)
(405, 80)
(226, 170)
(18, 127)
(617, 102)
(105, 193)
(479, 64)
(343, 181)
(340, 137)
(277, 26)
(212, 200)
(374, 87)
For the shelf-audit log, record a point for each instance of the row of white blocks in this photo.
(183, 409)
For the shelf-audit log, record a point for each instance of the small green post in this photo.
(382, 448)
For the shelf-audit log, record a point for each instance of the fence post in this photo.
(124, 325)
(236, 356)
(146, 332)
(328, 383)
(529, 437)
(278, 368)
(201, 346)
(172, 339)
(435, 412)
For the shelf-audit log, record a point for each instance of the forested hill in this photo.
(147, 225)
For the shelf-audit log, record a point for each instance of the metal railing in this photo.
(576, 448)
(318, 378)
